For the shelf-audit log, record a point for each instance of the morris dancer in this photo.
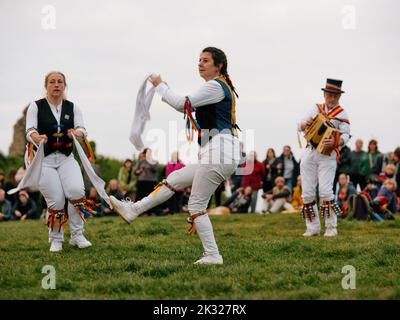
(219, 155)
(317, 169)
(55, 120)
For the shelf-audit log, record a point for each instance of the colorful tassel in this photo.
(190, 219)
(31, 152)
(59, 215)
(86, 208)
(191, 123)
(88, 151)
(156, 189)
(308, 211)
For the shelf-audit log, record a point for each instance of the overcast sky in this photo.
(280, 54)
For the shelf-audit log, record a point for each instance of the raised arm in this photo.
(211, 92)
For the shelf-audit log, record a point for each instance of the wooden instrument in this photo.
(320, 129)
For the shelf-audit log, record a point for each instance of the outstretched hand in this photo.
(155, 79)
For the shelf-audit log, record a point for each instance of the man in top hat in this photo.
(317, 169)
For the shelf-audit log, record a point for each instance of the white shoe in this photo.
(80, 241)
(124, 209)
(330, 232)
(210, 259)
(310, 233)
(56, 246)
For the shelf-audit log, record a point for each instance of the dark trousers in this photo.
(217, 197)
(174, 204)
(358, 179)
(144, 188)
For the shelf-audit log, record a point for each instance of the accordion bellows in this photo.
(320, 129)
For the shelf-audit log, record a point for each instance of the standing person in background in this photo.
(174, 204)
(343, 164)
(287, 167)
(236, 179)
(126, 177)
(146, 171)
(270, 170)
(373, 154)
(253, 177)
(359, 171)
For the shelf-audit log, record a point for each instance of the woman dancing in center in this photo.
(219, 154)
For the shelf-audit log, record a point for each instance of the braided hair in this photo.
(219, 57)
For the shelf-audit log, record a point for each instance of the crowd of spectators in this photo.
(274, 181)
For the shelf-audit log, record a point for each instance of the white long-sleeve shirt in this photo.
(343, 127)
(211, 92)
(32, 118)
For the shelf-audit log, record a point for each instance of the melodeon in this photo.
(320, 129)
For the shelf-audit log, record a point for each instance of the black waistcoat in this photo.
(58, 139)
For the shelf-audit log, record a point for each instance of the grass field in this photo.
(265, 258)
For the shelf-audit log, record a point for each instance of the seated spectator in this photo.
(94, 196)
(371, 189)
(127, 177)
(5, 207)
(344, 190)
(25, 208)
(388, 173)
(297, 200)
(112, 190)
(386, 198)
(389, 158)
(279, 198)
(240, 200)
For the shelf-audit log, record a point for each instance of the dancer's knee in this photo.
(175, 180)
(56, 202)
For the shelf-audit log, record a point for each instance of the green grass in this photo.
(265, 257)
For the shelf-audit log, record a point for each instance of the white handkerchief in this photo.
(142, 115)
(32, 175)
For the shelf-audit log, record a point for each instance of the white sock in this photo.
(314, 225)
(205, 231)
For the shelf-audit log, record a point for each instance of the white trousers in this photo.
(62, 178)
(204, 177)
(318, 169)
(275, 206)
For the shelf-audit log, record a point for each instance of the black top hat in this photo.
(333, 86)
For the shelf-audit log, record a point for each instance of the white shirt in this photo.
(211, 92)
(343, 127)
(222, 148)
(32, 118)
